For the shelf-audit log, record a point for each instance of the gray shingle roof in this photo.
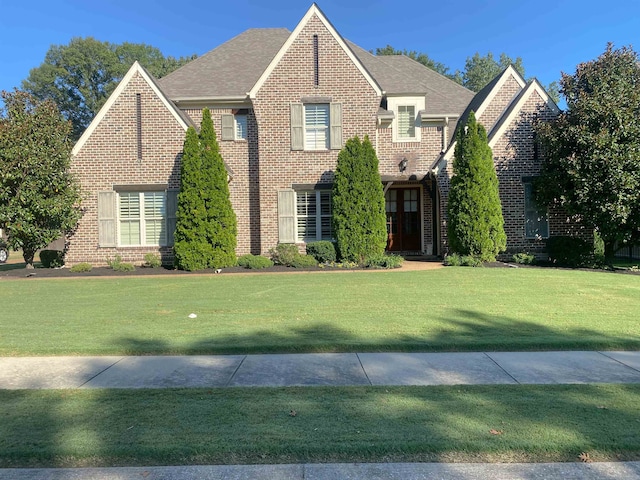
(228, 70)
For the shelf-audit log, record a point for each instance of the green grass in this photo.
(451, 309)
(200, 426)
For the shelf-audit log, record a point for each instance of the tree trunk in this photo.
(28, 257)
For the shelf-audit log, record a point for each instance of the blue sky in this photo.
(550, 36)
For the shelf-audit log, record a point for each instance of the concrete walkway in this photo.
(339, 369)
(327, 369)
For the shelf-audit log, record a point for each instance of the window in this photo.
(234, 127)
(536, 220)
(241, 127)
(313, 215)
(142, 218)
(406, 122)
(316, 127)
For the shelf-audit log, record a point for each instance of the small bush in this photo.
(524, 258)
(598, 250)
(254, 262)
(384, 261)
(152, 260)
(119, 266)
(303, 261)
(81, 267)
(323, 251)
(51, 258)
(569, 251)
(455, 260)
(284, 254)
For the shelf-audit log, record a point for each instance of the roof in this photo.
(230, 70)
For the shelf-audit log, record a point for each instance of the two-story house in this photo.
(283, 104)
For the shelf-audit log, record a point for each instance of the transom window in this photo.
(142, 218)
(536, 219)
(313, 215)
(406, 122)
(316, 127)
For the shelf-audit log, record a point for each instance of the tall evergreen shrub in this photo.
(475, 223)
(221, 226)
(358, 209)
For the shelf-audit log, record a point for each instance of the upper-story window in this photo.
(406, 122)
(234, 126)
(316, 126)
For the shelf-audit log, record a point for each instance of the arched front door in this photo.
(403, 219)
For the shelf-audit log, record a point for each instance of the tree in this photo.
(475, 223)
(221, 226)
(206, 228)
(592, 150)
(479, 71)
(419, 57)
(39, 198)
(80, 76)
(358, 208)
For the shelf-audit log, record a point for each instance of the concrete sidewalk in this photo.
(336, 369)
(344, 471)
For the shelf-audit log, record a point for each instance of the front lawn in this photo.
(451, 309)
(505, 423)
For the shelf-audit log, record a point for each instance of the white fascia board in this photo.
(135, 68)
(534, 86)
(314, 10)
(509, 72)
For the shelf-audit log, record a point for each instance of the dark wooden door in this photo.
(403, 219)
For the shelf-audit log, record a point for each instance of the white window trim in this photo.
(393, 104)
(142, 220)
(235, 128)
(327, 127)
(319, 216)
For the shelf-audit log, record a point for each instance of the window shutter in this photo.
(286, 216)
(335, 121)
(297, 126)
(172, 208)
(227, 127)
(107, 219)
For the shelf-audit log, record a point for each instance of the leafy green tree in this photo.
(192, 251)
(221, 226)
(358, 208)
(39, 198)
(592, 150)
(80, 76)
(419, 57)
(479, 71)
(475, 224)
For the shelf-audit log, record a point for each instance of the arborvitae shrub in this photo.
(475, 222)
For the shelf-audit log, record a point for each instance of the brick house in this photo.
(283, 103)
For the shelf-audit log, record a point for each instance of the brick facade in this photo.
(265, 163)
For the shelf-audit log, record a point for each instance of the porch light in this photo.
(403, 165)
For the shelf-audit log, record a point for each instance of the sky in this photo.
(551, 36)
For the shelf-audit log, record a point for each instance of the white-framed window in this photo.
(142, 218)
(316, 126)
(240, 122)
(313, 215)
(406, 123)
(536, 219)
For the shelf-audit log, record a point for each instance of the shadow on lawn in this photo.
(209, 426)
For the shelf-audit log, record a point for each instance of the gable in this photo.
(136, 74)
(313, 16)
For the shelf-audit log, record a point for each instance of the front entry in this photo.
(403, 219)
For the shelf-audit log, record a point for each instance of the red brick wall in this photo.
(110, 157)
(499, 103)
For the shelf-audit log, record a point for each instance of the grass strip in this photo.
(451, 309)
(267, 425)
